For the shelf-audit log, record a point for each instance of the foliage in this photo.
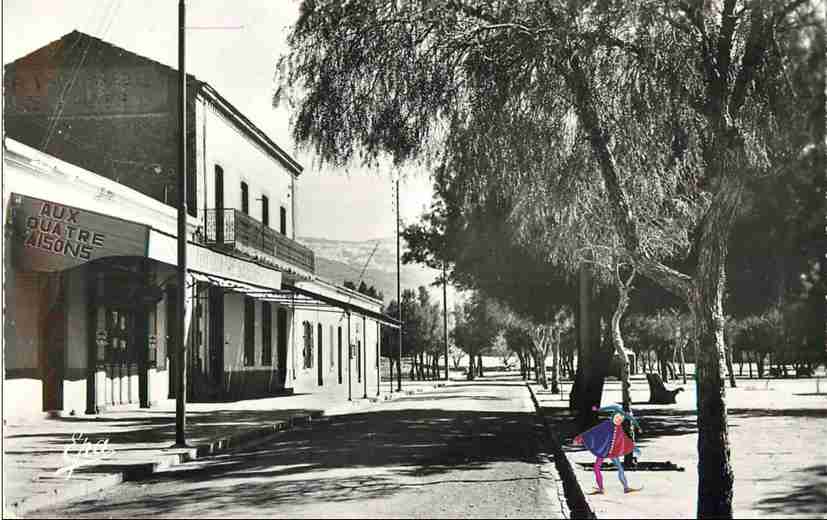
(475, 328)
(647, 119)
(364, 289)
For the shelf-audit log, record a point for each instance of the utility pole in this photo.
(398, 293)
(180, 325)
(349, 353)
(445, 314)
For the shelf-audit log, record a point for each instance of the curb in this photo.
(89, 482)
(578, 506)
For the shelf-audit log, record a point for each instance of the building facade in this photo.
(90, 158)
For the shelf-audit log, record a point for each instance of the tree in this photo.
(679, 101)
(475, 330)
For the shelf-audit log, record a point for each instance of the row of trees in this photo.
(422, 334)
(575, 146)
(364, 289)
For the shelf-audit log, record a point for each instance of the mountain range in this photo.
(341, 260)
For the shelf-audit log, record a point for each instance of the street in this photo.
(469, 449)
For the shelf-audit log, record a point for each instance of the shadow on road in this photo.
(808, 498)
(340, 458)
(156, 428)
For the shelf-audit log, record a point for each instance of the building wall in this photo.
(22, 346)
(306, 379)
(115, 100)
(219, 142)
(77, 339)
(256, 379)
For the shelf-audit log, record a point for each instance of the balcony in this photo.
(230, 228)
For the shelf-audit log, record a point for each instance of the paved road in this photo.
(467, 450)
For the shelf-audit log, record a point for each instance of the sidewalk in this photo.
(137, 442)
(776, 432)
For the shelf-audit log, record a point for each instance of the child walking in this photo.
(607, 440)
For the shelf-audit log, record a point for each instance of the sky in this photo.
(232, 45)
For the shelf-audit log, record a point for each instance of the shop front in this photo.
(82, 307)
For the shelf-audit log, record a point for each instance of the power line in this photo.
(111, 14)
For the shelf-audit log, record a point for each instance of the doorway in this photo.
(216, 332)
(339, 340)
(320, 371)
(219, 205)
(281, 326)
(171, 316)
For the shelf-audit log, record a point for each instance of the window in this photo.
(249, 331)
(266, 333)
(321, 348)
(339, 357)
(245, 198)
(359, 360)
(308, 345)
(265, 210)
(283, 220)
(332, 353)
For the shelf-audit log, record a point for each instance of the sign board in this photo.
(49, 236)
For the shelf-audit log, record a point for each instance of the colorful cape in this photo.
(607, 440)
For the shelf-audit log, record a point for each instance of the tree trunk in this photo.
(522, 364)
(728, 356)
(413, 367)
(683, 361)
(588, 378)
(620, 351)
(542, 379)
(664, 373)
(715, 474)
(555, 361)
(479, 364)
(759, 361)
(749, 363)
(471, 367)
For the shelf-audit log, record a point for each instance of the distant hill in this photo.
(341, 260)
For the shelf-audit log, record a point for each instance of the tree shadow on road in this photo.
(124, 432)
(338, 458)
(808, 498)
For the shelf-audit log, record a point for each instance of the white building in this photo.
(90, 269)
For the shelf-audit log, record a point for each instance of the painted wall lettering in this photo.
(56, 237)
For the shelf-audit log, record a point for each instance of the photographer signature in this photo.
(82, 452)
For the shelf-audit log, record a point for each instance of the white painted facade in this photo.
(219, 142)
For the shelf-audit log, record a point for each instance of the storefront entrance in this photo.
(122, 307)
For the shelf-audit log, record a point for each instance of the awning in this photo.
(346, 306)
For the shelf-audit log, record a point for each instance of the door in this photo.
(172, 337)
(320, 370)
(53, 330)
(219, 205)
(216, 331)
(339, 341)
(281, 325)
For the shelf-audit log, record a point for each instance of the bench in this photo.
(658, 393)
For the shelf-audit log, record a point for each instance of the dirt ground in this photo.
(777, 429)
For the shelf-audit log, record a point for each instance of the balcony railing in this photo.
(231, 228)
